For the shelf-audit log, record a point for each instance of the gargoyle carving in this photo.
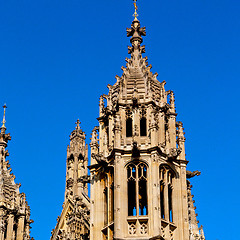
(193, 174)
(102, 161)
(174, 152)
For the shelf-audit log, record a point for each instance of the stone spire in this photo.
(4, 116)
(77, 161)
(14, 209)
(73, 223)
(4, 138)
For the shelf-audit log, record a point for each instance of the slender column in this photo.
(172, 130)
(166, 206)
(94, 182)
(166, 209)
(117, 131)
(172, 121)
(161, 129)
(154, 140)
(20, 228)
(118, 197)
(10, 226)
(184, 203)
(75, 172)
(110, 131)
(99, 208)
(101, 125)
(92, 207)
(155, 195)
(2, 227)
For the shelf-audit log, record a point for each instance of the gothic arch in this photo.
(137, 182)
(136, 161)
(71, 157)
(80, 157)
(167, 166)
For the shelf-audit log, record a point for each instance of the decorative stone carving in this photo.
(74, 222)
(14, 209)
(193, 174)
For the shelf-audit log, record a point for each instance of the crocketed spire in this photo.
(14, 210)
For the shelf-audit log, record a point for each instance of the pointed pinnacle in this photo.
(136, 8)
(4, 116)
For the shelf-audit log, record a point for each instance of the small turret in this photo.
(73, 223)
(77, 161)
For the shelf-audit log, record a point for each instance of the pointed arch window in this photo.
(137, 189)
(166, 192)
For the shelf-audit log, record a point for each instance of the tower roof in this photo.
(137, 81)
(77, 132)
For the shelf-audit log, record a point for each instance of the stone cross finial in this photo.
(78, 124)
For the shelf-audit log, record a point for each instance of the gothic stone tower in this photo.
(74, 220)
(139, 186)
(14, 210)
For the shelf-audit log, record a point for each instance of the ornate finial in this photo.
(136, 32)
(4, 115)
(136, 8)
(78, 124)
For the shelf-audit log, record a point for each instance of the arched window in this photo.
(166, 192)
(143, 127)
(129, 127)
(137, 189)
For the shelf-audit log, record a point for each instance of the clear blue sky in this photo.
(56, 59)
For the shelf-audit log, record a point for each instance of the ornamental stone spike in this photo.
(3, 128)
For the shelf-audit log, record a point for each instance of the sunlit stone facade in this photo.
(139, 184)
(73, 223)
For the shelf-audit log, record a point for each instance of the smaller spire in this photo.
(77, 132)
(4, 116)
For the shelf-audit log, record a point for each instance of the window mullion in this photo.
(166, 203)
(137, 191)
